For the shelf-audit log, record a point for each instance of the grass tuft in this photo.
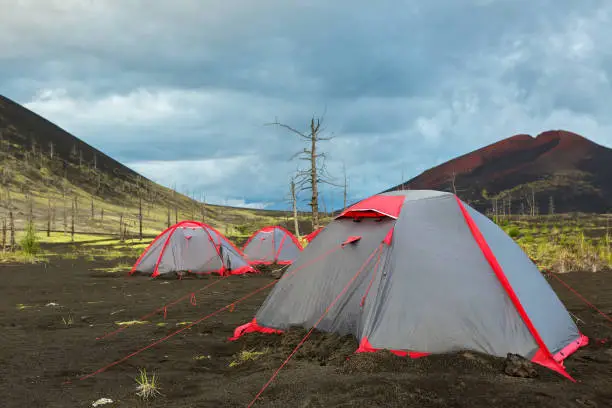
(131, 323)
(247, 355)
(29, 243)
(68, 321)
(148, 386)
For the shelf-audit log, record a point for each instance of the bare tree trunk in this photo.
(74, 210)
(509, 206)
(53, 217)
(102, 214)
(49, 215)
(453, 178)
(30, 202)
(12, 244)
(93, 214)
(140, 217)
(121, 230)
(168, 222)
(551, 205)
(65, 217)
(3, 234)
(495, 210)
(314, 182)
(296, 224)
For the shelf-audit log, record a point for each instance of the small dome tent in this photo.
(272, 245)
(419, 272)
(191, 247)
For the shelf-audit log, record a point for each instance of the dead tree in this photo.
(30, 203)
(72, 218)
(73, 153)
(509, 202)
(296, 224)
(495, 210)
(551, 205)
(65, 217)
(531, 201)
(13, 242)
(121, 230)
(76, 208)
(309, 179)
(452, 179)
(49, 216)
(3, 234)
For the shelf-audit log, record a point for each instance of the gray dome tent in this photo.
(420, 272)
(191, 247)
(271, 245)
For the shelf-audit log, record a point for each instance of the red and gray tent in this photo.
(419, 272)
(272, 245)
(191, 247)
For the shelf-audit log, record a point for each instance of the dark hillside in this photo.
(561, 167)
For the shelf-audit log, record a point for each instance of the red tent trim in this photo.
(313, 234)
(543, 356)
(375, 206)
(366, 347)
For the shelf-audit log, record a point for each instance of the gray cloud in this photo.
(187, 86)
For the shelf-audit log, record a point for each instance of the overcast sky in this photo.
(180, 90)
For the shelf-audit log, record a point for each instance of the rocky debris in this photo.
(102, 401)
(517, 366)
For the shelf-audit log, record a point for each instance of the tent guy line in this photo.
(314, 326)
(189, 326)
(579, 296)
(229, 306)
(163, 308)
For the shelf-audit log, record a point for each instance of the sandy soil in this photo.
(40, 353)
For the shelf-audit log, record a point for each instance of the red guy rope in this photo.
(332, 304)
(578, 295)
(163, 308)
(216, 312)
(156, 342)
